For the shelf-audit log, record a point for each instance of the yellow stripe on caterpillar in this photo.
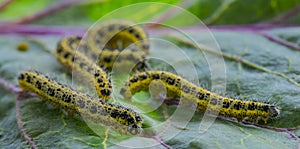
(179, 87)
(123, 120)
(72, 60)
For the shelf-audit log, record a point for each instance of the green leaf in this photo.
(21, 8)
(240, 11)
(51, 128)
(224, 134)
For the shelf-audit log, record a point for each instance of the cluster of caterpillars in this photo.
(78, 54)
(109, 44)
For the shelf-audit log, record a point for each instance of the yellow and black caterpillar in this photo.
(179, 87)
(75, 61)
(122, 119)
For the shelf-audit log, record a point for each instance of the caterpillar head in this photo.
(134, 129)
(274, 111)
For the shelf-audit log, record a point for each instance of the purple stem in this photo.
(288, 131)
(161, 142)
(279, 41)
(67, 31)
(5, 4)
(40, 30)
(10, 87)
(58, 30)
(20, 124)
(285, 16)
(57, 6)
(171, 102)
(243, 28)
(6, 85)
(256, 28)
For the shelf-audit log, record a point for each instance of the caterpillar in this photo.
(203, 99)
(118, 34)
(123, 120)
(71, 59)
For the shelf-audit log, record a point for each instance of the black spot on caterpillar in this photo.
(118, 35)
(179, 87)
(122, 119)
(72, 60)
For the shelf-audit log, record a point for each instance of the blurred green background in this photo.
(212, 12)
